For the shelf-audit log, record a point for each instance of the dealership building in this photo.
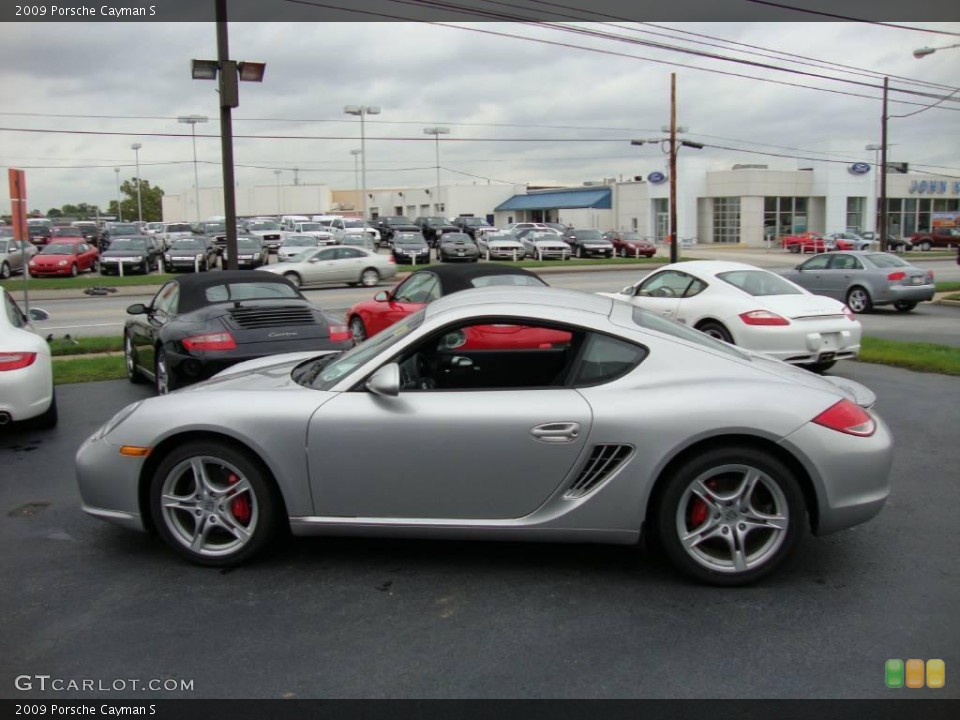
(717, 201)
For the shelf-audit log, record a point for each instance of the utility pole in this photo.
(883, 169)
(673, 167)
(228, 100)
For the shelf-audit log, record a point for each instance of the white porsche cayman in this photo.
(26, 374)
(753, 308)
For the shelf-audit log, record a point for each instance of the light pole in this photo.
(136, 149)
(119, 211)
(279, 204)
(192, 121)
(356, 171)
(924, 51)
(363, 111)
(437, 132)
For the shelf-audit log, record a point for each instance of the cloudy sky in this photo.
(519, 111)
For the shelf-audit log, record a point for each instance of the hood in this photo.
(266, 373)
(125, 253)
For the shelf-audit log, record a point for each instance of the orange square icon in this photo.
(914, 673)
(936, 673)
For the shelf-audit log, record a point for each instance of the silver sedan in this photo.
(14, 254)
(503, 414)
(341, 264)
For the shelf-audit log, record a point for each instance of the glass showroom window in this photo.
(784, 216)
(855, 207)
(726, 220)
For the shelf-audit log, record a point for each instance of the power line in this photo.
(851, 19)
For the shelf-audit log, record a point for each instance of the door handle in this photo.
(558, 432)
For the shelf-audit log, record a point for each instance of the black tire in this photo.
(130, 361)
(231, 528)
(4, 270)
(370, 277)
(48, 419)
(165, 379)
(623, 252)
(795, 248)
(738, 539)
(819, 367)
(74, 270)
(925, 246)
(358, 329)
(578, 251)
(904, 305)
(294, 278)
(715, 330)
(859, 300)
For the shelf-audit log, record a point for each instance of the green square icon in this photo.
(893, 673)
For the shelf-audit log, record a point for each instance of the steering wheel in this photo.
(666, 292)
(415, 375)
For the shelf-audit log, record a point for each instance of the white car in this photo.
(14, 254)
(270, 232)
(752, 308)
(26, 372)
(546, 244)
(322, 233)
(294, 245)
(342, 265)
(500, 246)
(171, 232)
(154, 228)
(353, 226)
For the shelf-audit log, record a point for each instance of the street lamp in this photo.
(437, 132)
(192, 121)
(362, 111)
(136, 149)
(119, 211)
(924, 51)
(356, 171)
(229, 73)
(279, 204)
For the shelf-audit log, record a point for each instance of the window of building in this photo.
(661, 213)
(855, 206)
(726, 220)
(784, 216)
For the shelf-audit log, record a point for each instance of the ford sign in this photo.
(656, 177)
(859, 168)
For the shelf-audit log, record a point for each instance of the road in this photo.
(104, 315)
(348, 618)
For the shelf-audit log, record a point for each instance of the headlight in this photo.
(167, 257)
(63, 262)
(199, 257)
(138, 258)
(115, 421)
(256, 256)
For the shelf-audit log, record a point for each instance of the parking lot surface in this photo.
(347, 618)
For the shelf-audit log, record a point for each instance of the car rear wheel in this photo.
(715, 330)
(730, 516)
(358, 329)
(369, 277)
(858, 300)
(925, 245)
(294, 278)
(623, 252)
(130, 361)
(4, 271)
(214, 504)
(904, 305)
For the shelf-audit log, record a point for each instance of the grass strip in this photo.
(88, 369)
(85, 281)
(922, 357)
(85, 345)
(947, 287)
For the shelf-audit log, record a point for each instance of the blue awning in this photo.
(598, 198)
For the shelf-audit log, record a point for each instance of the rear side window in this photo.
(885, 260)
(759, 283)
(607, 358)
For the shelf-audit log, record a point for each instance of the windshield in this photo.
(409, 239)
(397, 221)
(128, 244)
(323, 373)
(473, 222)
(213, 227)
(124, 230)
(354, 224)
(588, 235)
(455, 238)
(511, 280)
(58, 249)
(885, 260)
(264, 226)
(184, 245)
(304, 227)
(67, 232)
(245, 242)
(759, 283)
(300, 241)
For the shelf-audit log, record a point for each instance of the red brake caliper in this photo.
(240, 505)
(698, 508)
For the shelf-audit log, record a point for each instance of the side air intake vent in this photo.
(604, 461)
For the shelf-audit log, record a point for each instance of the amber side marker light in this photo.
(134, 451)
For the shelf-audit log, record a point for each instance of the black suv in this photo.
(389, 224)
(433, 227)
(470, 225)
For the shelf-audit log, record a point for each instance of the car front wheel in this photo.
(214, 504)
(294, 278)
(731, 515)
(4, 271)
(358, 329)
(369, 277)
(795, 248)
(166, 379)
(859, 300)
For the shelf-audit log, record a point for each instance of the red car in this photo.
(804, 242)
(630, 244)
(371, 316)
(64, 257)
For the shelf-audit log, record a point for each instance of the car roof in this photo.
(193, 287)
(544, 298)
(710, 267)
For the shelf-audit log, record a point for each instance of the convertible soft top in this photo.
(193, 287)
(454, 278)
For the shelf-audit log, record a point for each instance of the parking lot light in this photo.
(362, 111)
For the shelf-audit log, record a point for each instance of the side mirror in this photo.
(385, 381)
(36, 314)
(137, 309)
(381, 296)
(313, 260)
(629, 290)
(799, 267)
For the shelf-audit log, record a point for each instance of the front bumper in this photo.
(108, 483)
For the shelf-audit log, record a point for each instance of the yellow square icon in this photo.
(914, 673)
(936, 673)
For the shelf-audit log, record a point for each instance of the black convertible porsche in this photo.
(200, 324)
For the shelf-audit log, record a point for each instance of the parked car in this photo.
(14, 255)
(387, 225)
(322, 233)
(270, 232)
(353, 226)
(500, 246)
(361, 241)
(521, 232)
(630, 244)
(339, 264)
(63, 257)
(294, 245)
(39, 233)
(941, 237)
(65, 232)
(457, 247)
(26, 372)
(433, 227)
(589, 243)
(153, 228)
(169, 233)
(89, 230)
(202, 323)
(751, 308)
(635, 426)
(369, 317)
(804, 242)
(864, 280)
(545, 245)
(289, 222)
(251, 252)
(135, 254)
(410, 247)
(471, 225)
(848, 240)
(191, 254)
(115, 230)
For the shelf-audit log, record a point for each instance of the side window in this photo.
(416, 289)
(817, 263)
(328, 254)
(16, 317)
(666, 284)
(845, 262)
(695, 287)
(166, 300)
(607, 358)
(347, 253)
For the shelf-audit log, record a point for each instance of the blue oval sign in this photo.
(656, 177)
(859, 168)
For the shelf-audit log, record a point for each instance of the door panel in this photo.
(454, 454)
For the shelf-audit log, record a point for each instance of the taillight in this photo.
(15, 361)
(846, 417)
(210, 341)
(930, 277)
(763, 317)
(391, 259)
(340, 332)
(849, 313)
(896, 276)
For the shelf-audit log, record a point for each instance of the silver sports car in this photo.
(505, 414)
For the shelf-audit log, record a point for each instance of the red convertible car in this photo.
(64, 257)
(805, 242)
(371, 316)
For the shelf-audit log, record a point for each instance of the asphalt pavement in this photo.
(357, 618)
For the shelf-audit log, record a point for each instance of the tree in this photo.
(54, 213)
(150, 196)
